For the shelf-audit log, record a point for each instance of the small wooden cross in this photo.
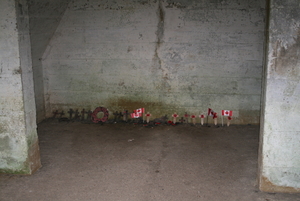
(228, 120)
(71, 111)
(186, 116)
(89, 115)
(116, 114)
(55, 113)
(62, 113)
(82, 114)
(175, 115)
(125, 115)
(120, 115)
(148, 115)
(193, 119)
(76, 116)
(202, 116)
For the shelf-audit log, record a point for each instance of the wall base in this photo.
(267, 186)
(34, 159)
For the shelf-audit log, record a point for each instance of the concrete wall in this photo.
(44, 18)
(19, 151)
(280, 134)
(165, 56)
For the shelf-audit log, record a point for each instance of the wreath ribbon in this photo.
(95, 119)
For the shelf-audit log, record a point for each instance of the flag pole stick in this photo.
(222, 120)
(208, 113)
(207, 120)
(199, 116)
(143, 113)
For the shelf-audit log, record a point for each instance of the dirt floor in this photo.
(118, 162)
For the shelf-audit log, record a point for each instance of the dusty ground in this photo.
(118, 162)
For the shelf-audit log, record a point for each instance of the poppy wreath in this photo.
(95, 119)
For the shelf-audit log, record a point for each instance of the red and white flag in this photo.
(210, 112)
(135, 115)
(227, 113)
(140, 110)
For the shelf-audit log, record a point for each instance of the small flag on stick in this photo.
(227, 113)
(135, 115)
(139, 111)
(210, 112)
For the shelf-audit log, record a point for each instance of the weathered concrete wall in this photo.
(165, 56)
(19, 150)
(44, 18)
(280, 134)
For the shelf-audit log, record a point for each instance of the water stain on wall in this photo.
(157, 60)
(286, 62)
(156, 108)
(130, 104)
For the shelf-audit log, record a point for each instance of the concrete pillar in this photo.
(279, 162)
(19, 150)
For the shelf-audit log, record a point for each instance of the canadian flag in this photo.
(215, 115)
(227, 113)
(140, 110)
(210, 112)
(135, 115)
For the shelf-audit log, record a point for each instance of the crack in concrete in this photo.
(161, 24)
(159, 32)
(159, 40)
